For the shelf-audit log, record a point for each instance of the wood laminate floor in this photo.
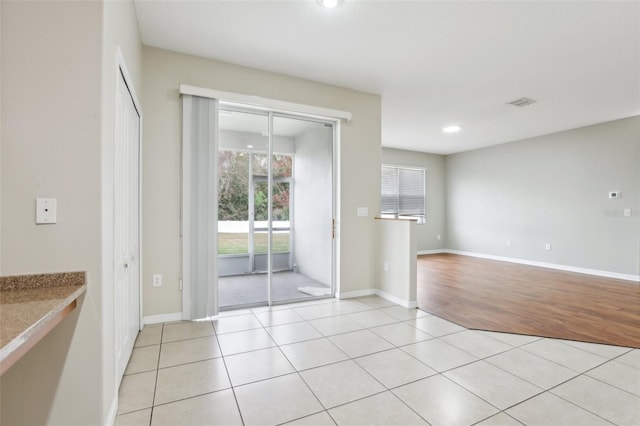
(501, 296)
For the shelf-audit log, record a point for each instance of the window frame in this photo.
(421, 219)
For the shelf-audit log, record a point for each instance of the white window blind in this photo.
(403, 192)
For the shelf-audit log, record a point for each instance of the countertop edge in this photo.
(33, 334)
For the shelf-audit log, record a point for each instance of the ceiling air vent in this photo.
(522, 102)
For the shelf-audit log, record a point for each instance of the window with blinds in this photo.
(403, 193)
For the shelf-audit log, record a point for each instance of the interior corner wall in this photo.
(359, 159)
(312, 210)
(427, 233)
(551, 189)
(51, 134)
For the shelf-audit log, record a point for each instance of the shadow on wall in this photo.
(38, 375)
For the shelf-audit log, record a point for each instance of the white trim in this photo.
(113, 410)
(120, 64)
(398, 301)
(596, 272)
(436, 251)
(157, 319)
(335, 200)
(404, 166)
(356, 293)
(274, 105)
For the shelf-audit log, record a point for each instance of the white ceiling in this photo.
(433, 62)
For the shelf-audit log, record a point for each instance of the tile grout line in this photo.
(226, 369)
(397, 320)
(155, 385)
(354, 360)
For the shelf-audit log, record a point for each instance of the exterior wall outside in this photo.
(359, 155)
(427, 233)
(312, 203)
(551, 189)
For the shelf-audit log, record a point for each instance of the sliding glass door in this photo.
(302, 208)
(275, 208)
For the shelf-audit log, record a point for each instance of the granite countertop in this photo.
(30, 306)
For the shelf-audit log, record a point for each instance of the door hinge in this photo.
(333, 229)
(180, 284)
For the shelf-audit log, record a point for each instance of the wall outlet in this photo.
(157, 280)
(439, 237)
(627, 212)
(508, 243)
(547, 246)
(386, 266)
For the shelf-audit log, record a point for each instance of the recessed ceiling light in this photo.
(329, 4)
(249, 146)
(451, 129)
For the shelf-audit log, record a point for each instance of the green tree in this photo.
(233, 186)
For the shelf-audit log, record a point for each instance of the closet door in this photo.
(126, 225)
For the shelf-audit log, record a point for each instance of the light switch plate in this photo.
(363, 211)
(46, 210)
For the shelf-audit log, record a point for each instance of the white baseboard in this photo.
(596, 272)
(420, 252)
(157, 319)
(352, 294)
(398, 301)
(384, 295)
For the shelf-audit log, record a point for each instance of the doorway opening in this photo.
(275, 208)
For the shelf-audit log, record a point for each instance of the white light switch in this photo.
(363, 211)
(46, 210)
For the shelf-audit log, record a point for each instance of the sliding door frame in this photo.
(271, 108)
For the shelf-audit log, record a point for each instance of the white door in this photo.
(126, 225)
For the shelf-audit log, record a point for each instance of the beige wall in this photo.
(52, 146)
(427, 233)
(551, 189)
(396, 247)
(163, 72)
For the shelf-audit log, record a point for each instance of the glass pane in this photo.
(233, 202)
(259, 165)
(260, 204)
(280, 216)
(242, 246)
(302, 209)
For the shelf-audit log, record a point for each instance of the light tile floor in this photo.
(368, 362)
